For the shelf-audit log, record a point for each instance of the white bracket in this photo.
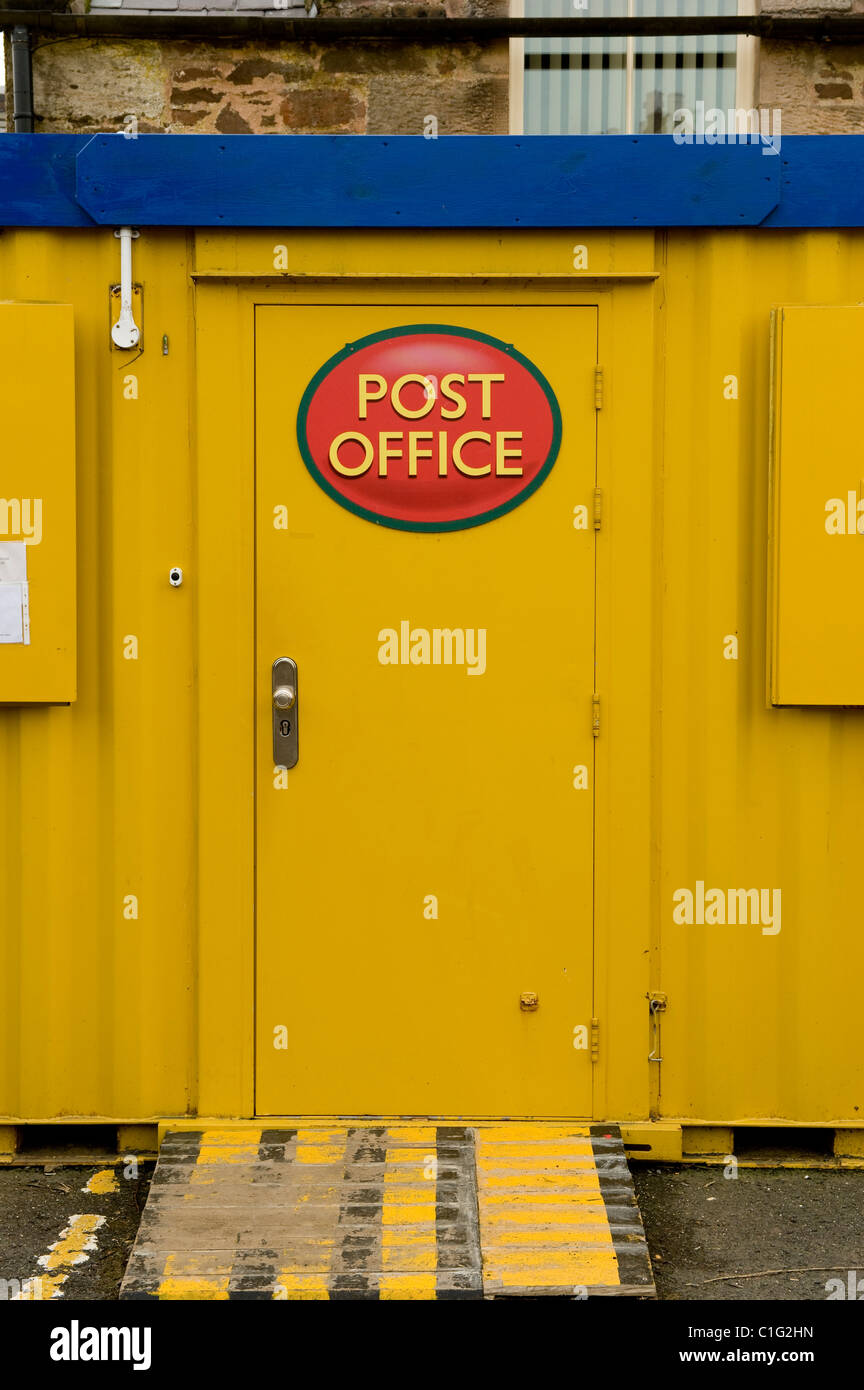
(125, 333)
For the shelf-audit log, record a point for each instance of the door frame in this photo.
(625, 915)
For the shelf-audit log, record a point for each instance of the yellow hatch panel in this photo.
(818, 479)
(37, 505)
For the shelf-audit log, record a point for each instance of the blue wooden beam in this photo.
(407, 181)
(37, 181)
(821, 182)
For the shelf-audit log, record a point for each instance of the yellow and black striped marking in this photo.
(395, 1211)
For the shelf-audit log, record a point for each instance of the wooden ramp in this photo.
(391, 1211)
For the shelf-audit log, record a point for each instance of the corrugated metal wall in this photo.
(97, 802)
(757, 1025)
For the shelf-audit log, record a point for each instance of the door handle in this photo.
(284, 693)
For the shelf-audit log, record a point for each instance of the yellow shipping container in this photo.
(570, 828)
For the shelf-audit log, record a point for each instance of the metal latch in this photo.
(656, 1006)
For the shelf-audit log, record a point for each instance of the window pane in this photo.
(579, 86)
(575, 86)
(673, 73)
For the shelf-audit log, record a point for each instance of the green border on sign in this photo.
(393, 522)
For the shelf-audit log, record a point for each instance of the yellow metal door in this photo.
(426, 868)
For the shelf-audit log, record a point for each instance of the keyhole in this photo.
(284, 727)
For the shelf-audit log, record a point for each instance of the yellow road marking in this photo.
(324, 1153)
(407, 1286)
(320, 1145)
(529, 1131)
(397, 1195)
(228, 1146)
(526, 1182)
(191, 1275)
(397, 1213)
(74, 1245)
(564, 1201)
(312, 1282)
(543, 1221)
(534, 1162)
(304, 1287)
(409, 1244)
(588, 1219)
(103, 1181)
(406, 1155)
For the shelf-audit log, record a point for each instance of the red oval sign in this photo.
(429, 428)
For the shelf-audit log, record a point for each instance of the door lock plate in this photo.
(284, 693)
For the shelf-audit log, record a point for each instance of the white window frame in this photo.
(746, 69)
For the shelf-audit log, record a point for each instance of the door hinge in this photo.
(595, 1040)
(598, 388)
(595, 723)
(598, 507)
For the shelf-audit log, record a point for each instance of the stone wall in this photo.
(374, 88)
(818, 87)
(237, 88)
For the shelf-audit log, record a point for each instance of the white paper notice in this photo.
(14, 594)
(13, 562)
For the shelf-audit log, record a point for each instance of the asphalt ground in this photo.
(766, 1234)
(50, 1228)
